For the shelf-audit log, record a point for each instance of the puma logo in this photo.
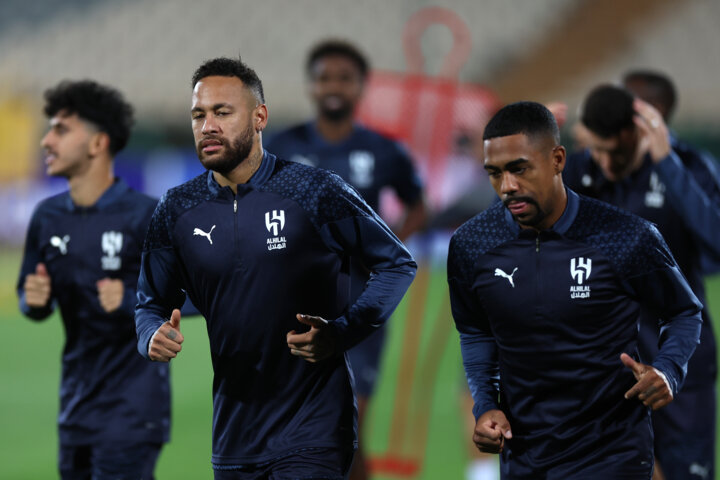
(197, 231)
(500, 273)
(699, 470)
(60, 243)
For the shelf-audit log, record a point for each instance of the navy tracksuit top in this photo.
(108, 392)
(543, 318)
(366, 159)
(681, 196)
(250, 262)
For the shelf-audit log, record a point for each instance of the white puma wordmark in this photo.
(197, 231)
(500, 273)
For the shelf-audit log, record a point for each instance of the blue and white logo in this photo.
(509, 277)
(275, 222)
(60, 243)
(655, 197)
(202, 233)
(111, 246)
(580, 269)
(362, 168)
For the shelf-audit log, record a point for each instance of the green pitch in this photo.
(416, 422)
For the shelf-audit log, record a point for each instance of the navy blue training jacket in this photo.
(108, 392)
(681, 196)
(367, 160)
(543, 318)
(249, 262)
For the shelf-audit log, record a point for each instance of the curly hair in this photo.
(101, 105)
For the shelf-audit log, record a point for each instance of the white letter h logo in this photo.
(276, 223)
(580, 269)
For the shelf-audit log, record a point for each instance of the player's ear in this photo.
(558, 158)
(99, 142)
(260, 117)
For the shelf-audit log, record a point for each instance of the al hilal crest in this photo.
(111, 246)
(580, 269)
(275, 222)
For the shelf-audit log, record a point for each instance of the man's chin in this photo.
(56, 172)
(337, 115)
(218, 164)
(527, 220)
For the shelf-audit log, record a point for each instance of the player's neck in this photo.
(243, 172)
(87, 187)
(334, 131)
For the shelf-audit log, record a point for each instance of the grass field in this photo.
(415, 419)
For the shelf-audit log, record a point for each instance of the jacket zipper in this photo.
(235, 224)
(537, 269)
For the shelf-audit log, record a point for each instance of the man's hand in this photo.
(652, 387)
(166, 341)
(37, 287)
(110, 293)
(491, 430)
(314, 345)
(653, 131)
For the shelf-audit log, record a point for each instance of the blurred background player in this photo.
(82, 253)
(337, 72)
(659, 91)
(637, 165)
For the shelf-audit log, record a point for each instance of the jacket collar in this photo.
(261, 175)
(110, 196)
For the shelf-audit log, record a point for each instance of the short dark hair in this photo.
(231, 67)
(342, 48)
(101, 105)
(529, 118)
(661, 88)
(608, 110)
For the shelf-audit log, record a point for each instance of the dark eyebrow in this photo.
(509, 165)
(214, 107)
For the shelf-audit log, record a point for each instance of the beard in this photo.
(528, 219)
(337, 113)
(234, 154)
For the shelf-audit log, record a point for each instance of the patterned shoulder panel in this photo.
(632, 244)
(477, 236)
(324, 196)
(172, 204)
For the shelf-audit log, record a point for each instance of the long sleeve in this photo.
(31, 257)
(664, 290)
(477, 345)
(158, 290)
(363, 235)
(694, 190)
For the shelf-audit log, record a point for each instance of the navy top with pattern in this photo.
(544, 316)
(108, 392)
(250, 262)
(367, 160)
(681, 195)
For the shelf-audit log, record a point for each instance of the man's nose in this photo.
(45, 140)
(508, 184)
(210, 125)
